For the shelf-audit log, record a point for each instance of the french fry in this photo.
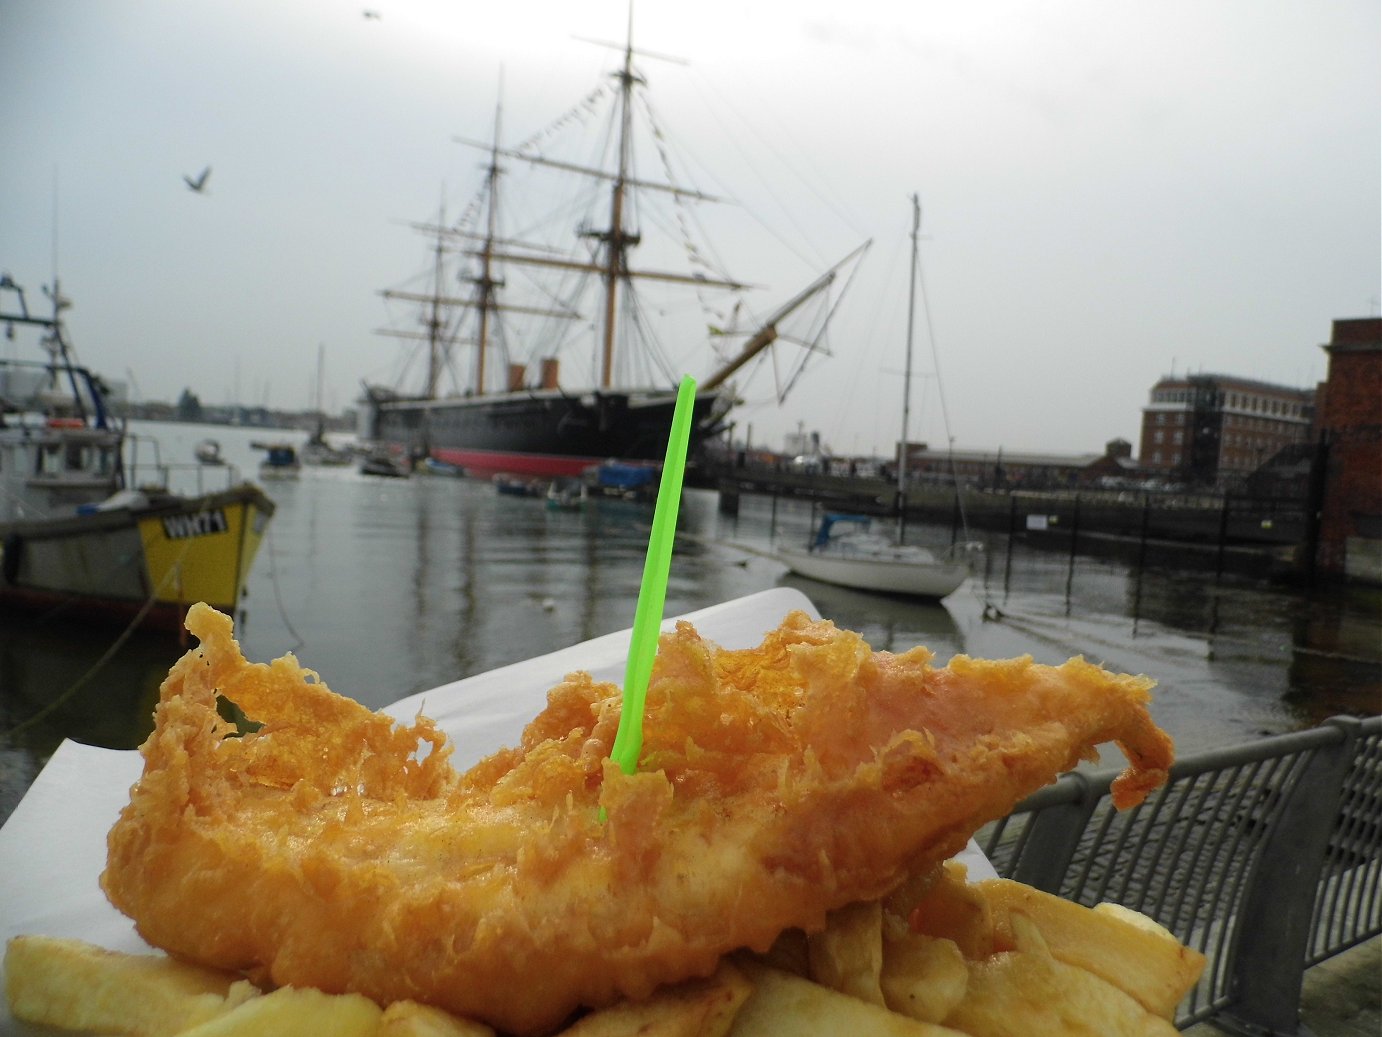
(1026, 992)
(784, 1005)
(77, 986)
(292, 1012)
(701, 1008)
(952, 909)
(847, 955)
(1124, 947)
(924, 977)
(411, 1019)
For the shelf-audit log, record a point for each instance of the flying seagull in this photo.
(199, 184)
(372, 14)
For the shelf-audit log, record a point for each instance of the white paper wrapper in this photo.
(53, 847)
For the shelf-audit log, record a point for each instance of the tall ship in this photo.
(592, 296)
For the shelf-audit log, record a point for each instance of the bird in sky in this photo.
(372, 14)
(199, 184)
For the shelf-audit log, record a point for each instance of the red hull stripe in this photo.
(493, 462)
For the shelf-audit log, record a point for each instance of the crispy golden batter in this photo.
(335, 849)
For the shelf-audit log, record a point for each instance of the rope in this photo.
(99, 664)
(298, 641)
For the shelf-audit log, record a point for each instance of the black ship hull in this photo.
(545, 433)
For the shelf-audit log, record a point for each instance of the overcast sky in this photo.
(1112, 191)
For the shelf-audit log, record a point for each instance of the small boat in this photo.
(318, 452)
(854, 555)
(517, 486)
(76, 536)
(566, 495)
(208, 452)
(845, 551)
(386, 465)
(622, 480)
(280, 461)
(431, 466)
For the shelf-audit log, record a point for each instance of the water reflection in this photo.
(97, 688)
(887, 623)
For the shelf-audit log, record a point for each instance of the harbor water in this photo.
(387, 587)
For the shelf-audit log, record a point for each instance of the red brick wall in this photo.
(1351, 419)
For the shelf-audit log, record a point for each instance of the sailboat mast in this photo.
(617, 242)
(907, 377)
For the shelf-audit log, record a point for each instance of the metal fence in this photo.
(1265, 857)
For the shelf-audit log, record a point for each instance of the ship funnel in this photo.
(550, 368)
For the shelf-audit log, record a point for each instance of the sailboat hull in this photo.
(546, 433)
(918, 578)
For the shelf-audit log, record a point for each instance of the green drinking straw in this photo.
(652, 594)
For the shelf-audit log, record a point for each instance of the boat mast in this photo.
(434, 323)
(907, 378)
(767, 334)
(487, 284)
(617, 242)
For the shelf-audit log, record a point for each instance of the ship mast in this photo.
(617, 241)
(434, 323)
(486, 283)
(610, 261)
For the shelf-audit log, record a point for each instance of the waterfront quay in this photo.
(1219, 532)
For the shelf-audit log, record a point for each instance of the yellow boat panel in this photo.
(202, 555)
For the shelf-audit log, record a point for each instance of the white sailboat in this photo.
(846, 551)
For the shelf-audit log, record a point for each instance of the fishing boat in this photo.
(845, 549)
(580, 294)
(79, 538)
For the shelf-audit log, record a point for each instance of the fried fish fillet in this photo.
(334, 848)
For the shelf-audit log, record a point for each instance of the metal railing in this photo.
(1265, 857)
(177, 477)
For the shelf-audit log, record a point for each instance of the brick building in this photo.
(1020, 470)
(1215, 429)
(1350, 424)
